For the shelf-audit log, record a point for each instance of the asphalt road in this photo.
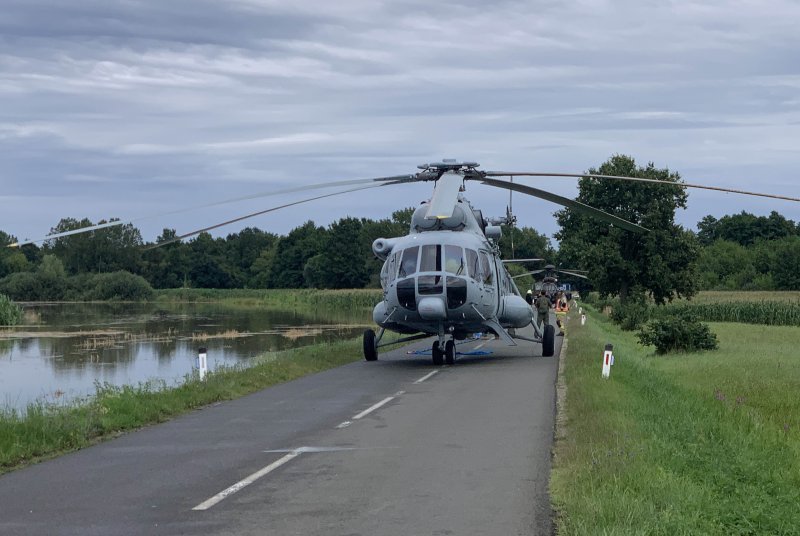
(382, 448)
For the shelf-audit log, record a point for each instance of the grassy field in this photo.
(46, 431)
(722, 296)
(704, 443)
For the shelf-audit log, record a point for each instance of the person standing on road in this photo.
(542, 309)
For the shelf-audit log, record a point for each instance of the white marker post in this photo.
(607, 357)
(202, 363)
(580, 310)
(583, 320)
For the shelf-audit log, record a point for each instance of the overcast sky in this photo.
(128, 108)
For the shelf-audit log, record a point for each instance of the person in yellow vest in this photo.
(562, 308)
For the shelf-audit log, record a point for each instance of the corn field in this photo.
(772, 313)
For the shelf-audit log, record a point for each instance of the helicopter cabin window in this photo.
(408, 265)
(474, 264)
(486, 269)
(454, 262)
(431, 259)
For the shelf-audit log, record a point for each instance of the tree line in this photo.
(740, 251)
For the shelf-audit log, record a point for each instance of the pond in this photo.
(62, 350)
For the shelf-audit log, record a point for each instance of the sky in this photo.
(137, 108)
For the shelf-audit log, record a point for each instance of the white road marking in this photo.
(479, 346)
(345, 424)
(205, 505)
(426, 377)
(373, 408)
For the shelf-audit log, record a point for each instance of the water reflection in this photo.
(64, 349)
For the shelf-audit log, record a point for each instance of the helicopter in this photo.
(549, 282)
(445, 278)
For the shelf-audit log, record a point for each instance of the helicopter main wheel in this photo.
(370, 350)
(549, 341)
(436, 352)
(450, 352)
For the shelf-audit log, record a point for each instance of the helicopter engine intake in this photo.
(382, 247)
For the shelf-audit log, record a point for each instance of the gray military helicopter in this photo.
(445, 278)
(549, 281)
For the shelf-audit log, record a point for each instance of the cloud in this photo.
(121, 108)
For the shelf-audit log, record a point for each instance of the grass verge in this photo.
(696, 443)
(46, 430)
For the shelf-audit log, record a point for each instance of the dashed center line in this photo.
(373, 408)
(426, 377)
(479, 346)
(345, 424)
(205, 505)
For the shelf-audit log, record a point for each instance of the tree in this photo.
(343, 257)
(292, 253)
(745, 228)
(787, 259)
(105, 250)
(659, 263)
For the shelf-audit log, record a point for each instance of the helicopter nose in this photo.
(431, 308)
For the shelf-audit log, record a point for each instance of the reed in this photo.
(10, 312)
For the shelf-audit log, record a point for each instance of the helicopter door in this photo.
(486, 279)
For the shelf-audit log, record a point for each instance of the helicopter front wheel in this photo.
(450, 352)
(436, 352)
(370, 347)
(549, 341)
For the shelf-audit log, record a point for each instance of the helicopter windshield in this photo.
(454, 262)
(408, 265)
(431, 259)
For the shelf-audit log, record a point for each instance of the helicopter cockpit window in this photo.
(454, 261)
(474, 265)
(389, 270)
(408, 265)
(486, 268)
(431, 259)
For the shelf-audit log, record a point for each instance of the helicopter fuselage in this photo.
(445, 277)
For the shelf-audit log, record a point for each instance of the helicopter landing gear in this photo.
(548, 341)
(370, 346)
(437, 354)
(450, 352)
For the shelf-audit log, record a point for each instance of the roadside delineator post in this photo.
(608, 359)
(202, 363)
(580, 310)
(583, 320)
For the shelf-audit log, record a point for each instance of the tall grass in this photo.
(10, 312)
(280, 298)
(702, 443)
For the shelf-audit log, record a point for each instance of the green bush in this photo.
(20, 286)
(120, 286)
(680, 333)
(630, 315)
(10, 312)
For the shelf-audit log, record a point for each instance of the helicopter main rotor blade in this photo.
(445, 196)
(534, 272)
(260, 212)
(571, 203)
(638, 179)
(398, 179)
(572, 273)
(508, 261)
